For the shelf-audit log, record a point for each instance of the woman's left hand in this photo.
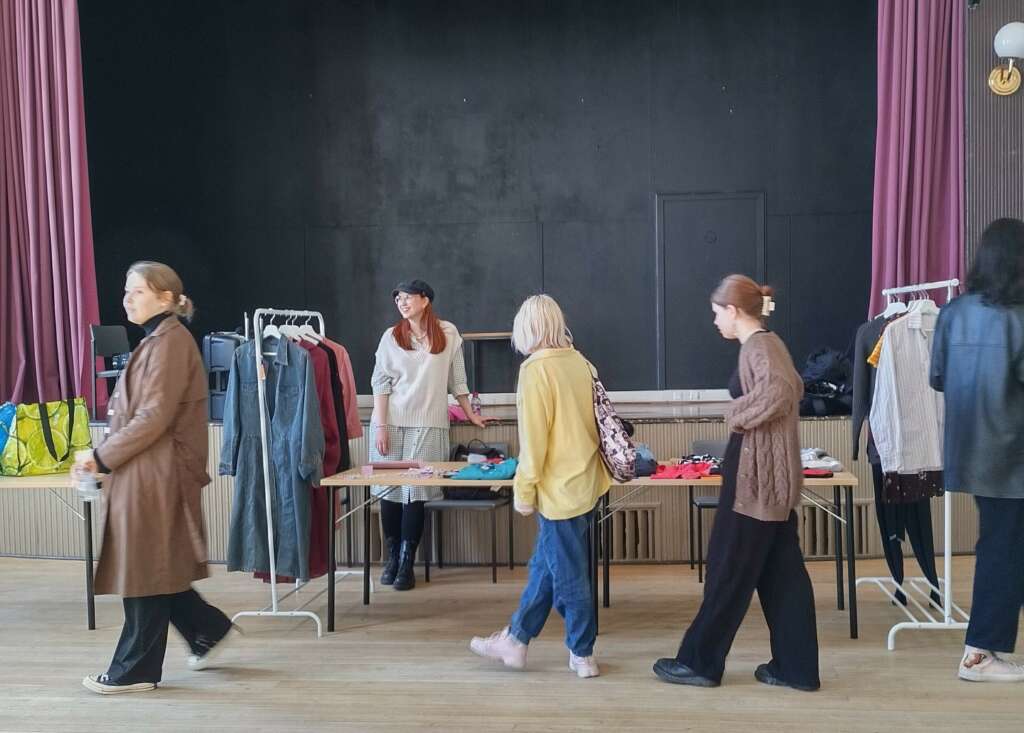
(525, 509)
(479, 420)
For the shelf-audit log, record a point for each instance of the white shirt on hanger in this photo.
(906, 413)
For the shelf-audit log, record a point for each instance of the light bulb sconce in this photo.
(1009, 45)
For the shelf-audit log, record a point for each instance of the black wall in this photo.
(311, 154)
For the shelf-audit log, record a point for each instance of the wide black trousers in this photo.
(139, 656)
(744, 555)
(998, 575)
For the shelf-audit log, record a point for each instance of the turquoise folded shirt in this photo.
(488, 471)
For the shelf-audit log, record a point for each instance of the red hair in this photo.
(403, 332)
(744, 294)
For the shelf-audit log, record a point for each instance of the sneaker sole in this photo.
(969, 676)
(103, 689)
(583, 675)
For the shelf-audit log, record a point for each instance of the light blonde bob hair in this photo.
(540, 324)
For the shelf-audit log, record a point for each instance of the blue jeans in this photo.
(559, 576)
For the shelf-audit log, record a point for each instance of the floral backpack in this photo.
(617, 450)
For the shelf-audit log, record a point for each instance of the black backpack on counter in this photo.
(828, 384)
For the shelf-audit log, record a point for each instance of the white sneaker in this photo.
(583, 666)
(501, 645)
(100, 683)
(989, 669)
(197, 662)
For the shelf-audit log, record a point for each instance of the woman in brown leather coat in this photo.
(154, 538)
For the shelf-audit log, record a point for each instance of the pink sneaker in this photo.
(583, 666)
(503, 646)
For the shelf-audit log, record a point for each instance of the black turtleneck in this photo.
(150, 325)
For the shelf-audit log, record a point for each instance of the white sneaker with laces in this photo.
(198, 662)
(583, 666)
(501, 645)
(101, 684)
(989, 668)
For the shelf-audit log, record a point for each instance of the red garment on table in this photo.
(667, 471)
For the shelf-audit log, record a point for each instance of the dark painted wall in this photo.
(994, 146)
(310, 154)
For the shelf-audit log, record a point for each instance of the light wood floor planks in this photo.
(403, 664)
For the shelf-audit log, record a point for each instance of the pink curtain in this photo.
(917, 232)
(47, 272)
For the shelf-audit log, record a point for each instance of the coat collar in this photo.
(163, 327)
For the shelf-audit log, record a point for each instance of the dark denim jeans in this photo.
(998, 575)
(559, 577)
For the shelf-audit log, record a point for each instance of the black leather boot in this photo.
(405, 579)
(387, 576)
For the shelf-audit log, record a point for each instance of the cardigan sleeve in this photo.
(771, 394)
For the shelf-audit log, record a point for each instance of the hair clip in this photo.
(767, 305)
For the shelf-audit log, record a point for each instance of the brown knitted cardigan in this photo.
(770, 475)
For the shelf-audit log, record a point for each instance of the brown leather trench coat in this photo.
(154, 538)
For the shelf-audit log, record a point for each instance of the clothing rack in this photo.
(273, 610)
(953, 617)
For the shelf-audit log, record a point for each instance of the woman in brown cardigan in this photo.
(154, 538)
(754, 543)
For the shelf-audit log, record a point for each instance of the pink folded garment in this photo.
(385, 465)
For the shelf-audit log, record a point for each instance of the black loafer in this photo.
(672, 671)
(764, 675)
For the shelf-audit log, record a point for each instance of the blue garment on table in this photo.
(487, 471)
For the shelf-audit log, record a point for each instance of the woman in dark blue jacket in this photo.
(978, 362)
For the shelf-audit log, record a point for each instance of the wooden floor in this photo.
(403, 664)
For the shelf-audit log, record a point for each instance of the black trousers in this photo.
(913, 521)
(139, 656)
(998, 575)
(745, 555)
(402, 521)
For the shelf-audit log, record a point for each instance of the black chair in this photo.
(435, 529)
(107, 342)
(702, 447)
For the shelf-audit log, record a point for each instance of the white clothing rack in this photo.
(953, 617)
(273, 610)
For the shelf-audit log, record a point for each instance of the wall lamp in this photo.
(1008, 44)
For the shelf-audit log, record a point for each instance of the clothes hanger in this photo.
(271, 330)
(893, 307)
(308, 333)
(289, 329)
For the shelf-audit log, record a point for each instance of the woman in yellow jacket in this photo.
(561, 476)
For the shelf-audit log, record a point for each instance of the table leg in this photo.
(332, 559)
(606, 544)
(837, 528)
(348, 526)
(851, 561)
(689, 514)
(366, 549)
(90, 594)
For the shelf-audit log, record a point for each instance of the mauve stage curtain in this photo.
(47, 271)
(917, 232)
